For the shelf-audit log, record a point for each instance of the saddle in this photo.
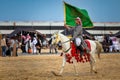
(83, 49)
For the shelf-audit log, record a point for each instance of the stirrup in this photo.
(88, 50)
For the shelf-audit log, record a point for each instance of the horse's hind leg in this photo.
(92, 64)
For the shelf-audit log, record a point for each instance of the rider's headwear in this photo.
(77, 18)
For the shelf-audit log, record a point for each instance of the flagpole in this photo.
(64, 14)
(64, 10)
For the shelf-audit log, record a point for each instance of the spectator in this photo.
(3, 45)
(12, 41)
(110, 45)
(17, 45)
(116, 45)
(52, 46)
(27, 42)
(23, 44)
(105, 44)
(34, 42)
(39, 45)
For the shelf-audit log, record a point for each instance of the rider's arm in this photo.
(66, 26)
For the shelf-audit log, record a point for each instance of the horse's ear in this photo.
(55, 33)
(58, 32)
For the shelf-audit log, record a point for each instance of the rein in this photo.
(67, 50)
(65, 42)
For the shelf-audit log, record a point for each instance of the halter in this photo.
(68, 48)
(63, 43)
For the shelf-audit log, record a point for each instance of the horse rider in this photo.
(77, 37)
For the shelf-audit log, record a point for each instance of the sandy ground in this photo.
(40, 67)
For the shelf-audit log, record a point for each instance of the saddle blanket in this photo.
(76, 54)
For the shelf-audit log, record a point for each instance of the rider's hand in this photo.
(65, 25)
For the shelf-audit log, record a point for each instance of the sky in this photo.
(53, 10)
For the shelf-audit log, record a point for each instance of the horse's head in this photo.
(55, 38)
(64, 40)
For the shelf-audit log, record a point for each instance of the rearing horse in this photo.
(66, 48)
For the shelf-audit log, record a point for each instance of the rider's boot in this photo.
(81, 50)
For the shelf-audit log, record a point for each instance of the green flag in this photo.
(71, 12)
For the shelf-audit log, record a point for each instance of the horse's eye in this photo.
(54, 37)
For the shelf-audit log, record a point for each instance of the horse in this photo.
(96, 47)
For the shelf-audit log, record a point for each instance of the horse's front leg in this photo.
(63, 64)
(74, 64)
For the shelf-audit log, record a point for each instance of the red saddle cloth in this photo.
(76, 53)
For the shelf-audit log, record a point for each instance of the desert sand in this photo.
(40, 67)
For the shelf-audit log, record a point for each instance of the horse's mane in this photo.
(63, 36)
(65, 41)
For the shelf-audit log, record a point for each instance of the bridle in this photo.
(64, 43)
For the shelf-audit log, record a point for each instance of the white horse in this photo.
(66, 48)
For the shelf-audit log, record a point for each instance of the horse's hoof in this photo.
(76, 74)
(55, 74)
(95, 72)
(59, 75)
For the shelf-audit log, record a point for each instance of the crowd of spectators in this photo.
(111, 44)
(33, 44)
(27, 44)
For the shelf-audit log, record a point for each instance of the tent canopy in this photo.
(24, 31)
(117, 34)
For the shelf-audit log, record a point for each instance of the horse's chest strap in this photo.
(67, 50)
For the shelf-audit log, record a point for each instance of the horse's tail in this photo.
(98, 48)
